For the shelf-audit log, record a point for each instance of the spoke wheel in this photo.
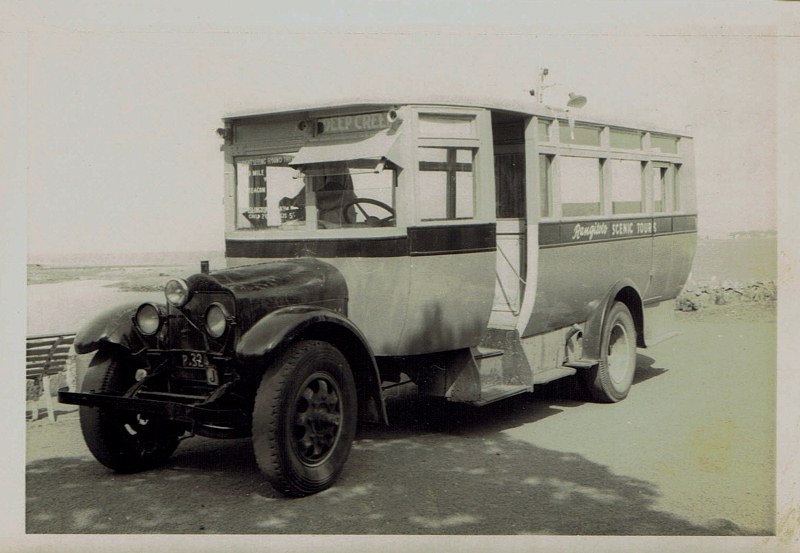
(611, 380)
(123, 441)
(317, 419)
(304, 418)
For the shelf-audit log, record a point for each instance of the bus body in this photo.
(477, 250)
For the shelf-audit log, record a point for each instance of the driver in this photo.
(336, 193)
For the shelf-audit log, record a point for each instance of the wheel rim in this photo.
(619, 355)
(317, 419)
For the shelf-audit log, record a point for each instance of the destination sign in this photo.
(280, 161)
(560, 233)
(355, 123)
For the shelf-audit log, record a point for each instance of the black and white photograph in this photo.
(400, 275)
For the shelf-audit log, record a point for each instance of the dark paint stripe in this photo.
(685, 223)
(394, 246)
(452, 239)
(434, 240)
(611, 230)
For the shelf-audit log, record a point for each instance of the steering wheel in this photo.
(370, 220)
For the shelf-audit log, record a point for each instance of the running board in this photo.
(498, 392)
(553, 374)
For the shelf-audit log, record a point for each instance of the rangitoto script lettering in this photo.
(589, 231)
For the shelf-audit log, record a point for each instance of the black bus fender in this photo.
(626, 292)
(113, 326)
(274, 332)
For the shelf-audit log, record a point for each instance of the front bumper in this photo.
(192, 414)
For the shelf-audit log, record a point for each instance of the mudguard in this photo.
(625, 291)
(283, 326)
(114, 326)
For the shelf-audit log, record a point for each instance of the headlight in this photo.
(177, 292)
(148, 319)
(216, 320)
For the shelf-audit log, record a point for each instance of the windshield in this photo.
(273, 195)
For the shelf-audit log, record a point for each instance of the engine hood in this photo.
(261, 288)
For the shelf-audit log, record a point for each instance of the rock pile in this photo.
(696, 296)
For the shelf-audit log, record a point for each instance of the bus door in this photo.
(509, 139)
(509, 168)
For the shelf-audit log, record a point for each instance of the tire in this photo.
(123, 441)
(610, 381)
(304, 418)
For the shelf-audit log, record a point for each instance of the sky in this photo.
(121, 103)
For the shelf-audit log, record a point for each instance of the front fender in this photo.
(283, 326)
(114, 325)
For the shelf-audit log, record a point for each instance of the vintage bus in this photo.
(477, 250)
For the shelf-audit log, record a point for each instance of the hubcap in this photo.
(618, 355)
(317, 419)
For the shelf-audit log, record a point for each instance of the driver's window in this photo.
(356, 194)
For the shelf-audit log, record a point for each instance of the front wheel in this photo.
(124, 441)
(304, 418)
(610, 381)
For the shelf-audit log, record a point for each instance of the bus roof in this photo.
(528, 107)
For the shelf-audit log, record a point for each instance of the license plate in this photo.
(193, 360)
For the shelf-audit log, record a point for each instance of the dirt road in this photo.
(690, 452)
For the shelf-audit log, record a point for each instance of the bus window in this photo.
(675, 185)
(509, 177)
(545, 185)
(626, 140)
(580, 186)
(667, 144)
(659, 189)
(446, 184)
(585, 135)
(261, 182)
(626, 186)
(665, 188)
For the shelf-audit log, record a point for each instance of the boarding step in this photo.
(490, 365)
(498, 392)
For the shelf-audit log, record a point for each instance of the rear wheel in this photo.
(304, 419)
(124, 441)
(610, 381)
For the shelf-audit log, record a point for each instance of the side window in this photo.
(666, 187)
(659, 188)
(509, 177)
(675, 184)
(626, 186)
(447, 189)
(580, 184)
(545, 185)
